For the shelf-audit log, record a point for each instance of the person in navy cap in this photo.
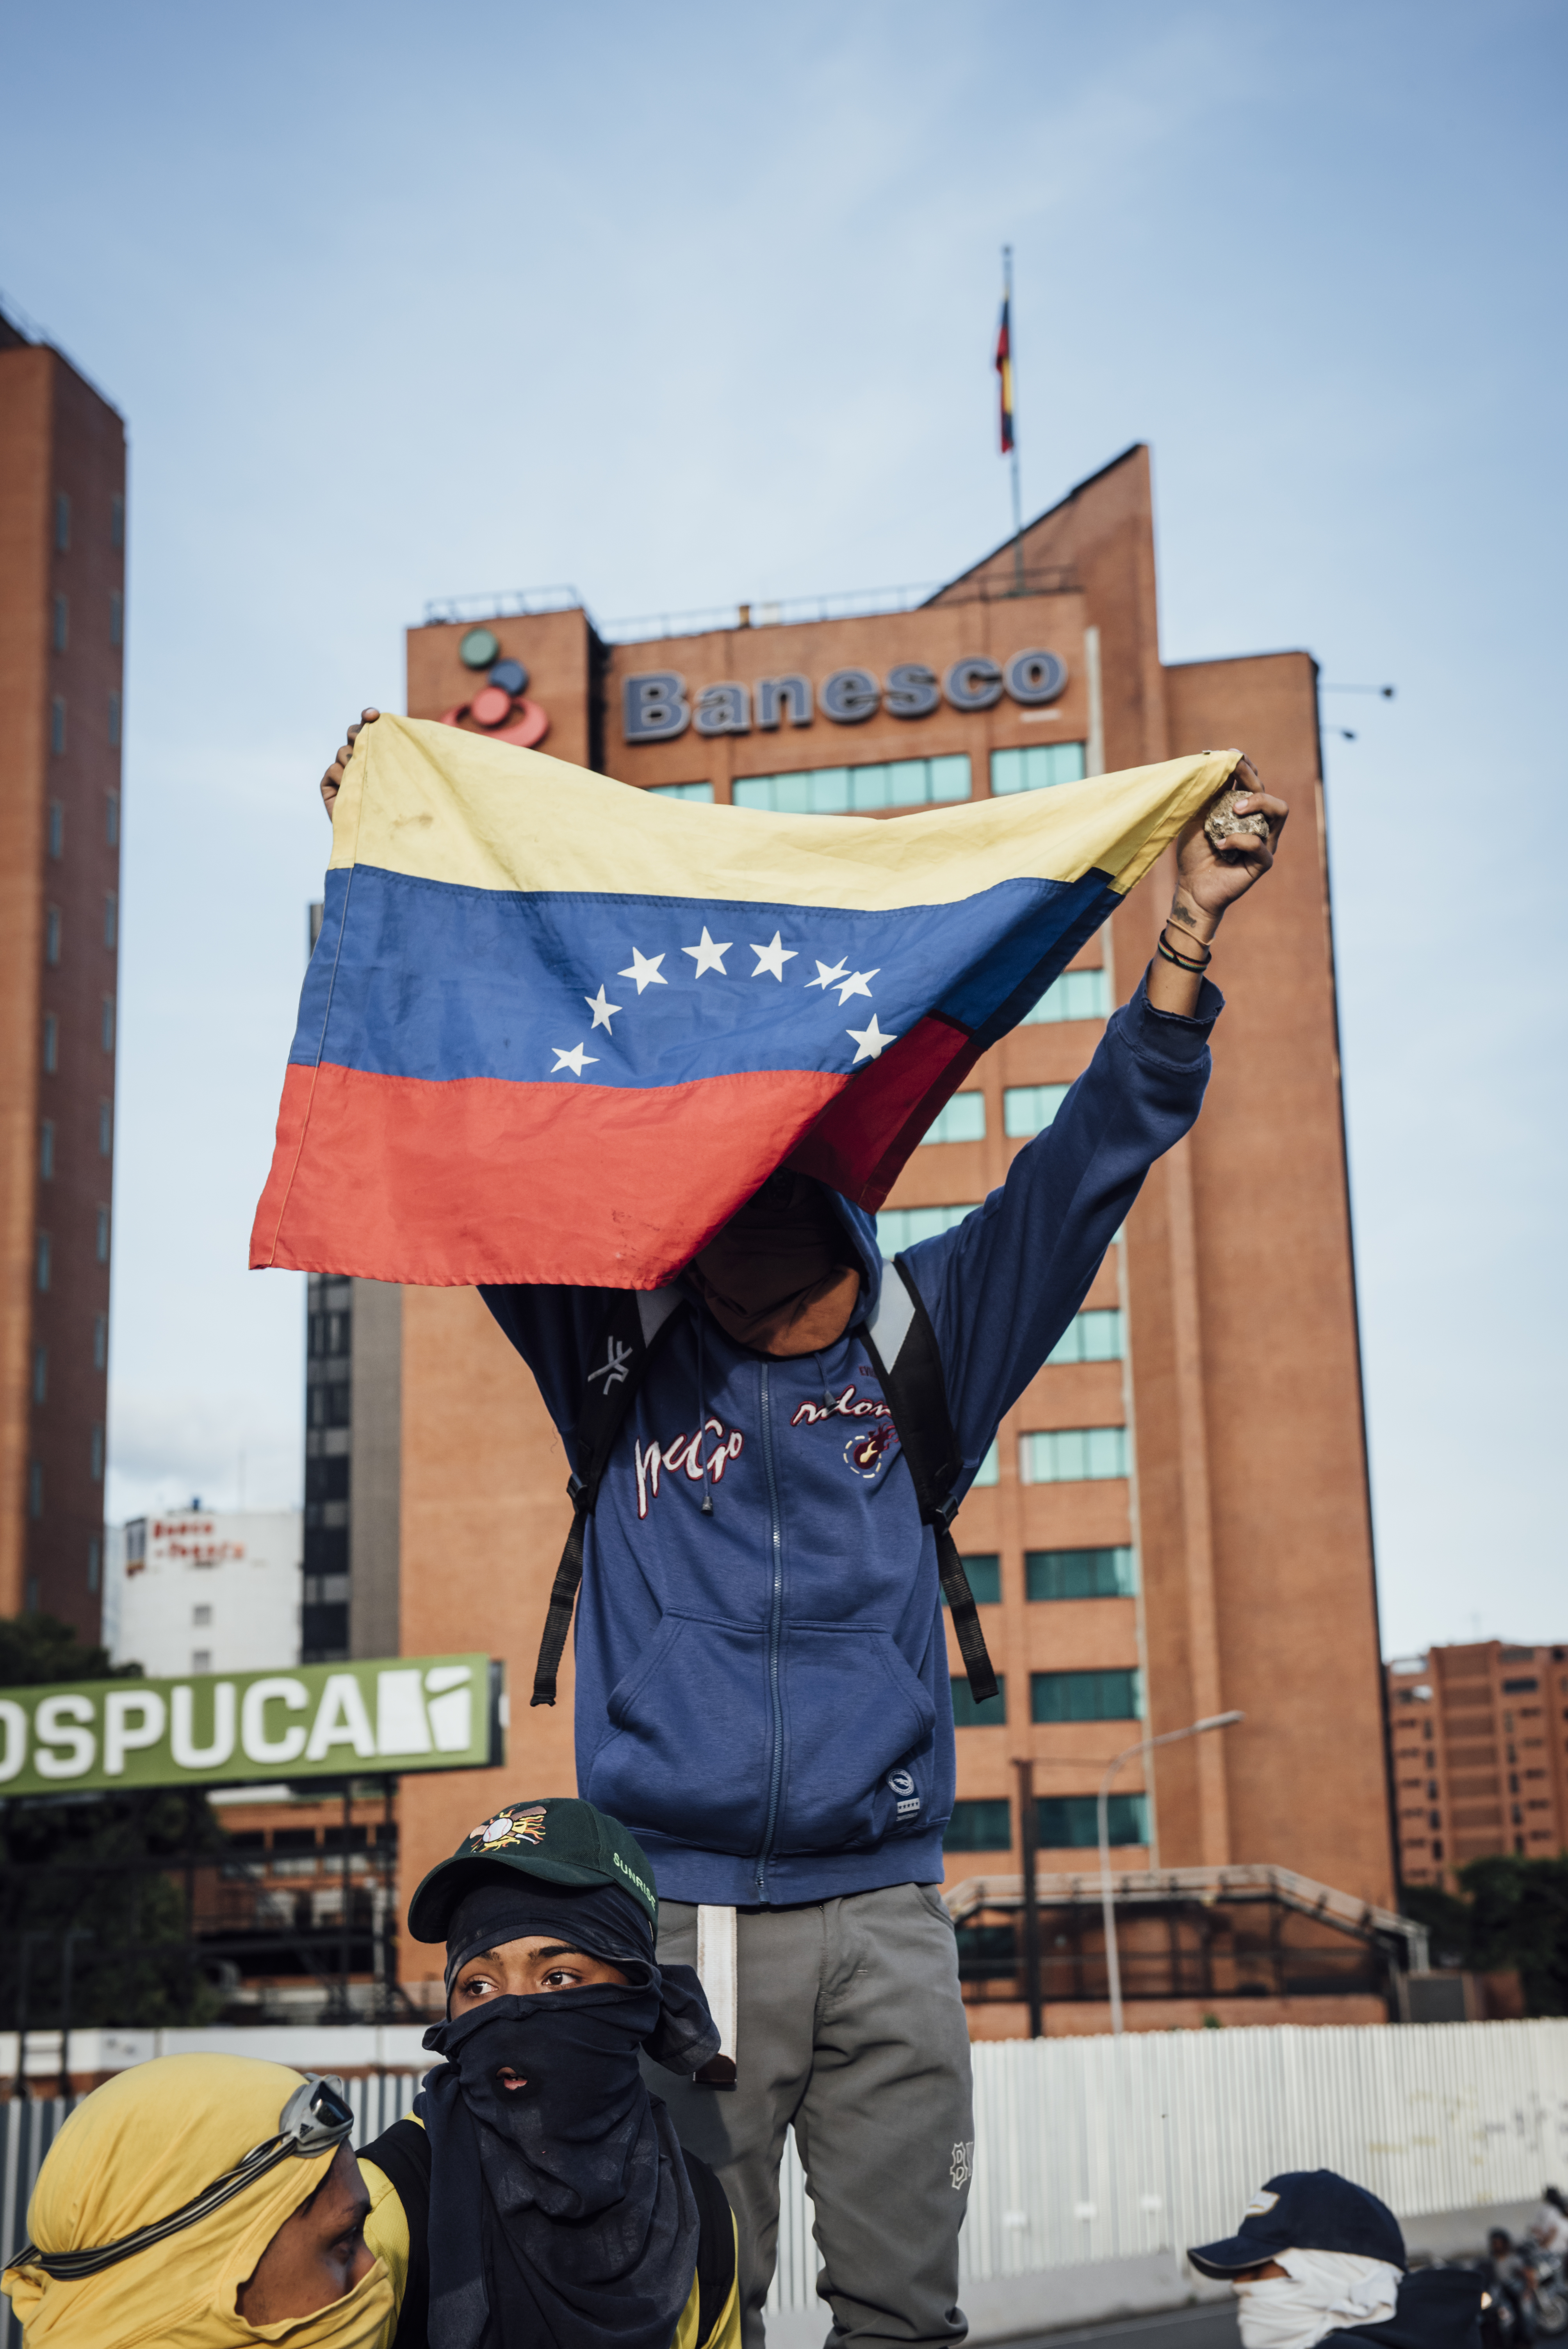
(1315, 2255)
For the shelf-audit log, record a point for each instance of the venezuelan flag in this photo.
(1004, 370)
(557, 1029)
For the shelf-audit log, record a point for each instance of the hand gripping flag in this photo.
(557, 1029)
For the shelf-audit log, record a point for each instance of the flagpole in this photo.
(1017, 493)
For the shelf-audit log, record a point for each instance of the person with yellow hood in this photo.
(201, 2202)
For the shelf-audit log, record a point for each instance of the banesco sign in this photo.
(655, 706)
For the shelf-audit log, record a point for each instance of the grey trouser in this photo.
(850, 2026)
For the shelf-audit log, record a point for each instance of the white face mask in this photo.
(1320, 2292)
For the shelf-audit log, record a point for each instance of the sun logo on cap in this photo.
(521, 1824)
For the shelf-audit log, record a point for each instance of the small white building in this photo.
(204, 1590)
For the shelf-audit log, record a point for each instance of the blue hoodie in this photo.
(762, 1693)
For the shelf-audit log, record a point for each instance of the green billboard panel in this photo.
(228, 1729)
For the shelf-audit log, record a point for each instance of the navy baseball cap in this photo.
(1306, 2210)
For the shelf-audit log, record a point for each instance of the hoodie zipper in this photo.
(775, 1625)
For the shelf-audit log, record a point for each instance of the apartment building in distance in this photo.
(1478, 1756)
(62, 630)
(1174, 1521)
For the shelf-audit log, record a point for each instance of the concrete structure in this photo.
(1206, 1545)
(204, 1590)
(1477, 1739)
(352, 1467)
(62, 623)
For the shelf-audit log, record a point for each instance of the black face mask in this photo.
(560, 2211)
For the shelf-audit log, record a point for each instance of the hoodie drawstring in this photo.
(702, 1415)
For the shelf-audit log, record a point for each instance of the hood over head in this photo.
(792, 1269)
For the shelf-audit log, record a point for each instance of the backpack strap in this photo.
(637, 1320)
(902, 1346)
(403, 2153)
(715, 2246)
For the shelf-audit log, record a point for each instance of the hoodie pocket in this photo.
(686, 1751)
(860, 1749)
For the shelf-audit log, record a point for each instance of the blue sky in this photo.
(697, 304)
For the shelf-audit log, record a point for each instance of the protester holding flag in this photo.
(674, 1225)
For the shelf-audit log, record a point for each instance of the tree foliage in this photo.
(1510, 1913)
(90, 1864)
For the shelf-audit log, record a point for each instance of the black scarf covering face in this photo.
(560, 2215)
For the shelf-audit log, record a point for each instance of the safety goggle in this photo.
(317, 2119)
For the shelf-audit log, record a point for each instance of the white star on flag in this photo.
(577, 1060)
(873, 1043)
(828, 974)
(645, 973)
(708, 956)
(858, 983)
(601, 1009)
(771, 958)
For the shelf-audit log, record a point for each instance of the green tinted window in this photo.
(967, 1714)
(961, 1118)
(1028, 1109)
(1036, 767)
(1071, 1822)
(857, 790)
(990, 1467)
(1078, 1574)
(1086, 1696)
(979, 1827)
(680, 790)
(1094, 1336)
(1075, 995)
(1071, 1455)
(900, 1228)
(985, 1572)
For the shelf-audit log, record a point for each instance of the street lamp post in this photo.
(1108, 1906)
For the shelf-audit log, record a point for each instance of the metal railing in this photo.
(1091, 2150)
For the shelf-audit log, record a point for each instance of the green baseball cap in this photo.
(558, 1837)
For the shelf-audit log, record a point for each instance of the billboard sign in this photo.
(229, 1729)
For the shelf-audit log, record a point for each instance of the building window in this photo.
(1037, 767)
(44, 1259)
(62, 523)
(56, 829)
(52, 933)
(106, 1128)
(46, 1151)
(59, 635)
(967, 1714)
(116, 619)
(1071, 1455)
(680, 790)
(201, 1660)
(58, 725)
(107, 1028)
(101, 1241)
(1519, 1688)
(1078, 1574)
(1028, 1109)
(990, 1468)
(34, 1501)
(95, 1563)
(114, 721)
(111, 818)
(1071, 1822)
(51, 1044)
(979, 1827)
(1093, 1337)
(857, 791)
(117, 526)
(900, 1228)
(1086, 1696)
(1075, 995)
(961, 1118)
(1436, 1850)
(101, 1341)
(111, 918)
(985, 1572)
(40, 1374)
(95, 1451)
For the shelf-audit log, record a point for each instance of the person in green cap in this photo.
(539, 2194)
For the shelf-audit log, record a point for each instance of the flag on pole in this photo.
(555, 1029)
(1005, 371)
